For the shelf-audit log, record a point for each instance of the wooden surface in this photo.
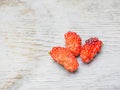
(30, 28)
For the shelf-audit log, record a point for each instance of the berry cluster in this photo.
(66, 56)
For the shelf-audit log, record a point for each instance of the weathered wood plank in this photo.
(29, 29)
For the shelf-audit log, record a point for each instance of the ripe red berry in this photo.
(64, 57)
(90, 49)
(73, 42)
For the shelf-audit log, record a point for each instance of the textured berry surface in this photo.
(64, 57)
(73, 42)
(90, 49)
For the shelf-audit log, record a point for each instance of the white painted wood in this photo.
(30, 28)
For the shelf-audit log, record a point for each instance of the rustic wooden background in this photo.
(30, 28)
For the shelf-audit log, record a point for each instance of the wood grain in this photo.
(29, 29)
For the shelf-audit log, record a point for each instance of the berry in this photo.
(90, 49)
(64, 57)
(73, 42)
